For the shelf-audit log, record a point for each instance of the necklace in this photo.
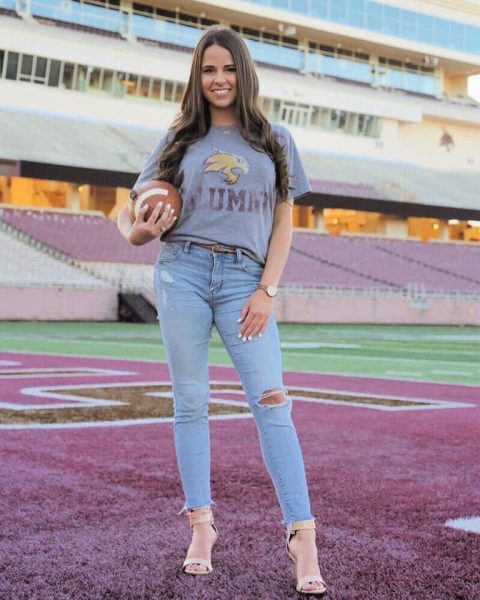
(226, 129)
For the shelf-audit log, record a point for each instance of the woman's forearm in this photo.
(278, 250)
(123, 223)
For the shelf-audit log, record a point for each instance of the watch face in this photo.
(271, 291)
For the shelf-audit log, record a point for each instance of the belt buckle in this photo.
(223, 249)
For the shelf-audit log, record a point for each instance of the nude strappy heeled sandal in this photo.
(200, 516)
(292, 528)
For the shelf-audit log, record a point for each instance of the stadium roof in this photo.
(60, 147)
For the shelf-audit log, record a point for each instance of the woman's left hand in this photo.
(255, 315)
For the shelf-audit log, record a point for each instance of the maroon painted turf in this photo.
(91, 512)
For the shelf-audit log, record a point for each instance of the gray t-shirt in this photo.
(228, 189)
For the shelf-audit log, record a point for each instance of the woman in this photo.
(221, 265)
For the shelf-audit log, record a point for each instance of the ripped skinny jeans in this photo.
(195, 289)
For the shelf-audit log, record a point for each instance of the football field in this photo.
(388, 419)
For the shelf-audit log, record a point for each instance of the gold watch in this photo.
(270, 290)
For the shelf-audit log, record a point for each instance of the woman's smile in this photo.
(219, 81)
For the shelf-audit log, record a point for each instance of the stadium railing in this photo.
(140, 25)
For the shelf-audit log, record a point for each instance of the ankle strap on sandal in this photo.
(297, 525)
(200, 516)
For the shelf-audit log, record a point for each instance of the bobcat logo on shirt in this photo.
(231, 165)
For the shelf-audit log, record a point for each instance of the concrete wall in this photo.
(22, 303)
(70, 304)
(295, 308)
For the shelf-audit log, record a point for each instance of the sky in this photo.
(474, 87)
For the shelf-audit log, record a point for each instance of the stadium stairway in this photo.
(28, 261)
(135, 308)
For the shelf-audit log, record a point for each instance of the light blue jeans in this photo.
(195, 289)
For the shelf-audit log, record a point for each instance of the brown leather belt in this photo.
(217, 248)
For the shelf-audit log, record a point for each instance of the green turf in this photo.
(443, 354)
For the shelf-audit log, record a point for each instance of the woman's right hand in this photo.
(143, 231)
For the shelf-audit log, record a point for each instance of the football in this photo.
(151, 193)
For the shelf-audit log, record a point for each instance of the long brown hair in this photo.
(194, 120)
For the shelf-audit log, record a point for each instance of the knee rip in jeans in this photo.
(274, 397)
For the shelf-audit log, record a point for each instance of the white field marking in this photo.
(439, 372)
(47, 392)
(469, 524)
(431, 404)
(121, 423)
(158, 361)
(405, 374)
(9, 363)
(85, 401)
(60, 372)
(312, 345)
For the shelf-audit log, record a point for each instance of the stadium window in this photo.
(320, 8)
(112, 3)
(251, 33)
(425, 29)
(131, 85)
(208, 22)
(441, 32)
(179, 90)
(143, 9)
(118, 89)
(362, 56)
(425, 69)
(391, 20)
(338, 11)
(356, 14)
(156, 89)
(352, 123)
(344, 52)
(290, 41)
(68, 76)
(276, 110)
(183, 17)
(326, 50)
(374, 16)
(12, 65)
(107, 81)
(408, 25)
(338, 119)
(272, 37)
(457, 33)
(267, 106)
(26, 67)
(2, 62)
(40, 70)
(81, 78)
(95, 79)
(315, 120)
(395, 63)
(143, 86)
(168, 91)
(169, 15)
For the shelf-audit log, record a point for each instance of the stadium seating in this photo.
(123, 148)
(399, 181)
(395, 263)
(93, 242)
(81, 236)
(23, 264)
(120, 148)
